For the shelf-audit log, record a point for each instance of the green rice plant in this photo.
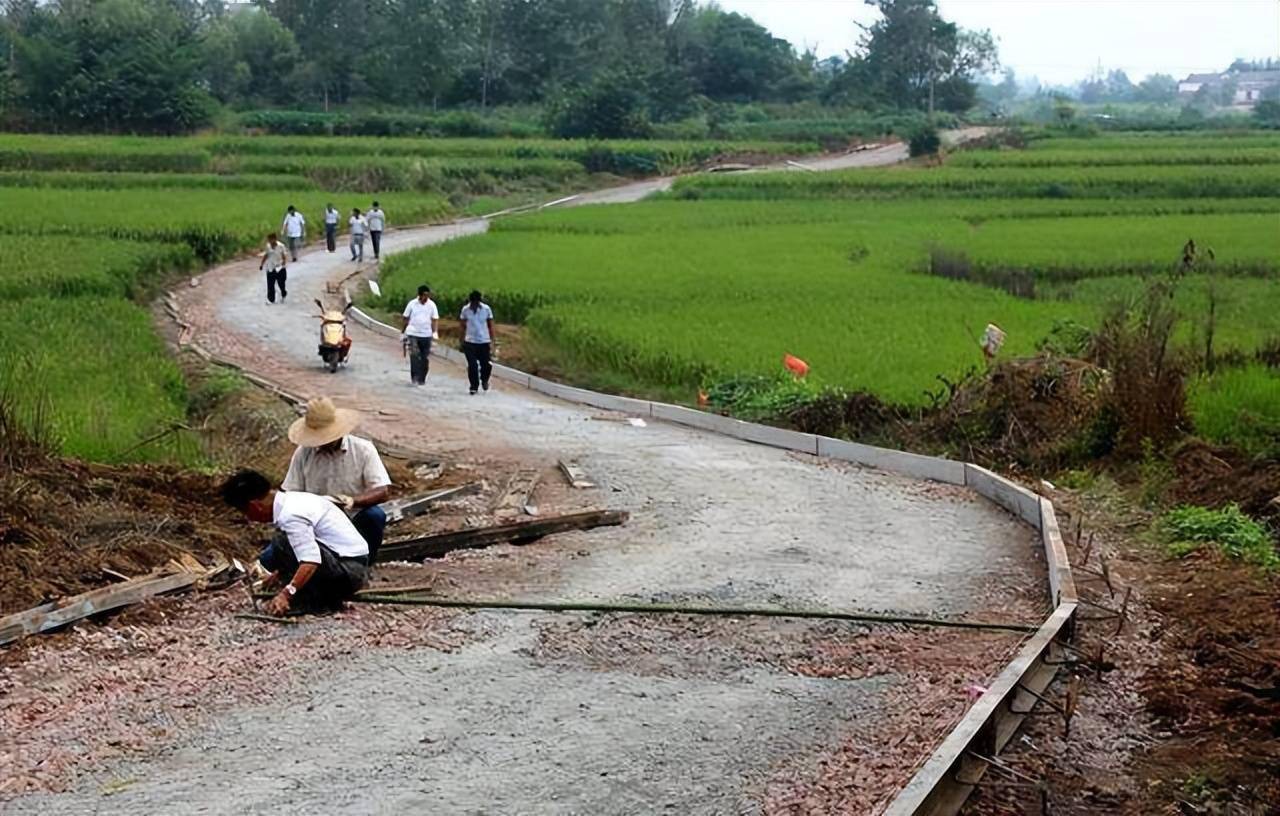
(108, 380)
(99, 153)
(378, 174)
(1238, 407)
(33, 266)
(1209, 155)
(120, 181)
(1186, 529)
(214, 223)
(1126, 181)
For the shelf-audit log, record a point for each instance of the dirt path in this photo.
(538, 713)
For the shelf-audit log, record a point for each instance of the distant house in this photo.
(1248, 86)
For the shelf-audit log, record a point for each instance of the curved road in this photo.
(540, 713)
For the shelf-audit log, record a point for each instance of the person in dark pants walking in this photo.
(295, 231)
(377, 222)
(477, 340)
(274, 259)
(326, 560)
(419, 326)
(331, 217)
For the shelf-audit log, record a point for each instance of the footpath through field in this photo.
(545, 713)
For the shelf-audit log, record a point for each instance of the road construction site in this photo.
(385, 708)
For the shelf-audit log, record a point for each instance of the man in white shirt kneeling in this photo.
(326, 561)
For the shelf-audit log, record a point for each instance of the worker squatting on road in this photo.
(325, 561)
(344, 469)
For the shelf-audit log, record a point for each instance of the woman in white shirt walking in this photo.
(358, 229)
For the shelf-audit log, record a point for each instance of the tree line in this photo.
(591, 67)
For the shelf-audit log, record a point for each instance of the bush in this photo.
(1187, 528)
(609, 108)
(925, 141)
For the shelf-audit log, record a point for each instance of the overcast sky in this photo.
(1060, 41)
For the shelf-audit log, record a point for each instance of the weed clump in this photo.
(1187, 528)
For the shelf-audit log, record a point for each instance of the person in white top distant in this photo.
(419, 325)
(327, 560)
(377, 221)
(294, 229)
(358, 228)
(477, 340)
(331, 216)
(273, 261)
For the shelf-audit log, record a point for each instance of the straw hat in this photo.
(322, 424)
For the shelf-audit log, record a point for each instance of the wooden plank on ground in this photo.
(410, 506)
(437, 544)
(51, 616)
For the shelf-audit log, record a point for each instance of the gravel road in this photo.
(495, 727)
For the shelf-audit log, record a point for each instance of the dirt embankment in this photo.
(1185, 718)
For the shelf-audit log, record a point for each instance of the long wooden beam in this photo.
(47, 617)
(437, 544)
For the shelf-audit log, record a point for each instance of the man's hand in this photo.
(278, 605)
(342, 500)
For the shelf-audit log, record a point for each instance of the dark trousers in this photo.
(295, 241)
(419, 358)
(376, 237)
(371, 522)
(276, 277)
(331, 236)
(335, 579)
(478, 366)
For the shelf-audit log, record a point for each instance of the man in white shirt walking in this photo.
(419, 326)
(331, 216)
(377, 221)
(273, 261)
(294, 229)
(477, 340)
(326, 561)
(358, 226)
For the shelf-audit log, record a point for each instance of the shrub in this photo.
(925, 141)
(608, 108)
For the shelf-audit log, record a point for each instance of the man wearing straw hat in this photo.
(345, 469)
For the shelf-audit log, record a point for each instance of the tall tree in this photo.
(913, 58)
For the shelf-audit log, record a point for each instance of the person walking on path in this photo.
(419, 325)
(477, 340)
(326, 560)
(359, 226)
(295, 230)
(332, 462)
(377, 221)
(274, 259)
(331, 217)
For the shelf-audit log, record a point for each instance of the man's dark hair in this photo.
(423, 289)
(375, 203)
(474, 297)
(291, 208)
(244, 487)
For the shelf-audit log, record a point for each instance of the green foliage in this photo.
(1267, 113)
(72, 267)
(760, 397)
(1067, 338)
(451, 124)
(611, 107)
(115, 65)
(1187, 528)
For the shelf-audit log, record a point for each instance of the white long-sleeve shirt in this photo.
(309, 520)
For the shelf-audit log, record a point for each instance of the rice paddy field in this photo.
(92, 227)
(882, 279)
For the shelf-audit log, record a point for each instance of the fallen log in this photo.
(50, 616)
(437, 544)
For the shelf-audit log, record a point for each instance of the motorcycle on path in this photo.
(335, 343)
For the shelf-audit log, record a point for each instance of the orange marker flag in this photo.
(795, 365)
